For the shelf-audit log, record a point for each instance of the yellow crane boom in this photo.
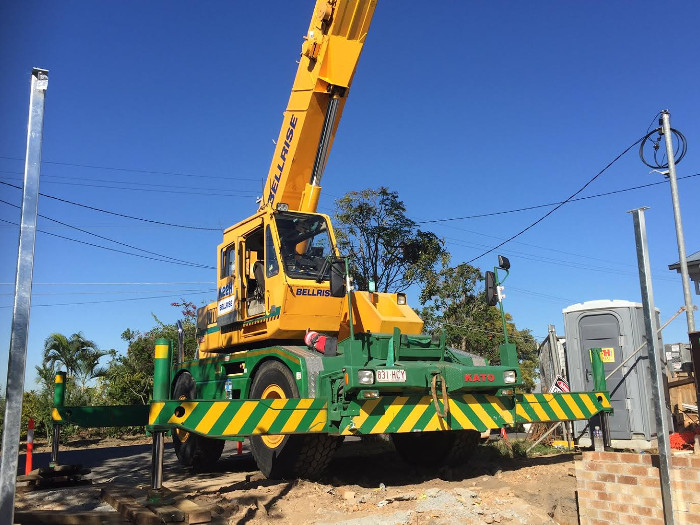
(329, 57)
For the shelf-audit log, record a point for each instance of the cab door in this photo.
(227, 307)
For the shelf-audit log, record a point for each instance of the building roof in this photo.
(692, 260)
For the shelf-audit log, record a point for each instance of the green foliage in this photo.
(454, 301)
(384, 245)
(78, 355)
(37, 406)
(129, 378)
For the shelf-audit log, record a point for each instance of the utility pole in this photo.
(23, 295)
(651, 326)
(666, 128)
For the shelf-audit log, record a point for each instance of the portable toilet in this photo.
(618, 328)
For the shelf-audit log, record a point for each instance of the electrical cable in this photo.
(111, 240)
(110, 181)
(123, 215)
(135, 170)
(534, 207)
(680, 150)
(550, 212)
(112, 300)
(121, 292)
(116, 284)
(186, 192)
(191, 265)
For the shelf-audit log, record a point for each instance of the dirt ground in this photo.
(366, 484)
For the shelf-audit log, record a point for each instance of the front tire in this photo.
(197, 452)
(287, 456)
(432, 449)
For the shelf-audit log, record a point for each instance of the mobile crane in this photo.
(263, 370)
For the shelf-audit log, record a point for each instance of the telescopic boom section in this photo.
(328, 61)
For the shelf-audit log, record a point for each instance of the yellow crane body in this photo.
(270, 271)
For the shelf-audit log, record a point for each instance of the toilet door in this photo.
(603, 331)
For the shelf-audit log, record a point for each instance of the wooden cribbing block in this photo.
(193, 512)
(128, 507)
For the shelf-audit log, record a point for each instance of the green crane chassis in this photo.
(296, 405)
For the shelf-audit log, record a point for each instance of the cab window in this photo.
(305, 244)
(272, 266)
(228, 260)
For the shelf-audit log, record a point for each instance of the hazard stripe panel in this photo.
(242, 418)
(388, 414)
(471, 412)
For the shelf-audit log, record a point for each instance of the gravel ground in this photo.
(366, 484)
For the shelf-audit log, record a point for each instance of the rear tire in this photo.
(197, 452)
(289, 456)
(433, 449)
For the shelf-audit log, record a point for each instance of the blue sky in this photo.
(465, 109)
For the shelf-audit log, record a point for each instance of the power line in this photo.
(161, 283)
(111, 300)
(123, 215)
(116, 292)
(532, 225)
(166, 257)
(191, 265)
(564, 263)
(135, 170)
(527, 208)
(188, 189)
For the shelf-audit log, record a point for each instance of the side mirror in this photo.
(491, 289)
(503, 263)
(338, 278)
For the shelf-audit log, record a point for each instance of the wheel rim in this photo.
(273, 391)
(182, 435)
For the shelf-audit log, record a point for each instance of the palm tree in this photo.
(59, 350)
(80, 357)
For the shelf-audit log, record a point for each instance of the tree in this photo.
(79, 356)
(129, 378)
(384, 245)
(58, 350)
(455, 302)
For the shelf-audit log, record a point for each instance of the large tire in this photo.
(290, 456)
(430, 449)
(194, 451)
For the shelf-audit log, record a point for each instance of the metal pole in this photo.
(651, 326)
(500, 305)
(157, 461)
(55, 444)
(161, 392)
(23, 294)
(59, 399)
(666, 125)
(553, 351)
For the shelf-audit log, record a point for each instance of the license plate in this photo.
(391, 376)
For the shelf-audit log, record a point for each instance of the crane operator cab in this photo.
(305, 245)
(273, 281)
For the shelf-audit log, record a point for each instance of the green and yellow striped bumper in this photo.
(388, 414)
(242, 418)
(472, 412)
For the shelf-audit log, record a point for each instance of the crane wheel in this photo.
(287, 456)
(430, 449)
(197, 452)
